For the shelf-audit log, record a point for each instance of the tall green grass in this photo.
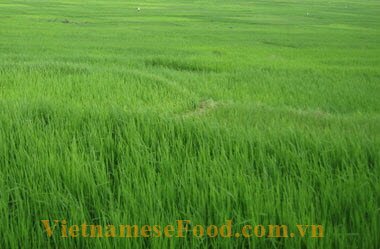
(253, 111)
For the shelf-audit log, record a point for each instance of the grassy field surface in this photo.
(262, 112)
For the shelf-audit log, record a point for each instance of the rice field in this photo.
(148, 112)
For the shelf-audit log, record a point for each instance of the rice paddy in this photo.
(259, 112)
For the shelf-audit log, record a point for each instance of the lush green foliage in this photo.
(257, 111)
